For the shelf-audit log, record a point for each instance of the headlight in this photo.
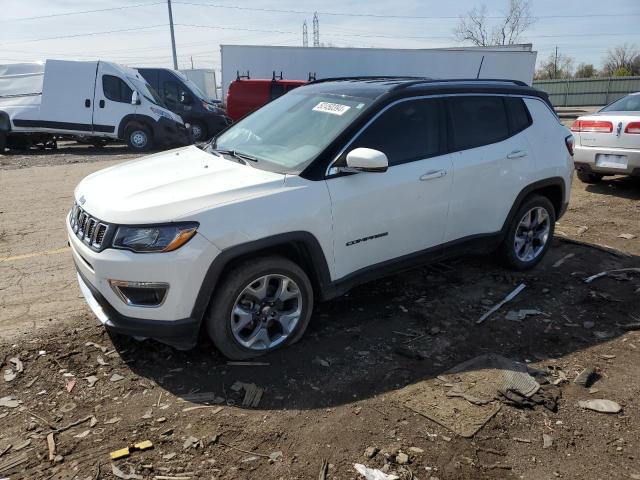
(211, 108)
(161, 238)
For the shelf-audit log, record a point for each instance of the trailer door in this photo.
(67, 96)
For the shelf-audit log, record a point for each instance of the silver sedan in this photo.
(608, 142)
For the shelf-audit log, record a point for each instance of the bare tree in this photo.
(474, 27)
(623, 58)
(555, 66)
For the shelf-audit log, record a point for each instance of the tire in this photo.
(588, 177)
(198, 131)
(232, 289)
(138, 138)
(3, 142)
(531, 247)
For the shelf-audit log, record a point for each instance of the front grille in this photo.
(87, 228)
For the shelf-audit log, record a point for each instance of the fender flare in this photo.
(136, 119)
(532, 188)
(317, 266)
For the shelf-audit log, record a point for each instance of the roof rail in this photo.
(371, 77)
(460, 80)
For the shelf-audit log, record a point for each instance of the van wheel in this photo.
(138, 138)
(198, 131)
(261, 305)
(588, 177)
(530, 233)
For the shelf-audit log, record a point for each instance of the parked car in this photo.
(608, 142)
(246, 95)
(332, 185)
(184, 98)
(92, 100)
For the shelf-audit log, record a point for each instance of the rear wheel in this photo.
(530, 233)
(589, 177)
(3, 141)
(260, 306)
(139, 138)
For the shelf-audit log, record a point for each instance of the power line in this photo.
(79, 12)
(373, 15)
(89, 34)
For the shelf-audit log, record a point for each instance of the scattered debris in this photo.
(83, 434)
(402, 458)
(252, 393)
(112, 420)
(627, 236)
(116, 377)
(499, 305)
(101, 361)
(517, 315)
(202, 397)
(213, 412)
(601, 405)
(521, 440)
(585, 377)
(563, 259)
(125, 476)
(125, 452)
(191, 442)
(169, 456)
(275, 456)
(5, 449)
(321, 362)
(547, 441)
(371, 452)
(70, 384)
(373, 474)
(12, 463)
(12, 372)
(324, 470)
(51, 445)
(608, 272)
(22, 445)
(99, 347)
(581, 229)
(92, 379)
(416, 450)
(9, 402)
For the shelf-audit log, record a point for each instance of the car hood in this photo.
(169, 186)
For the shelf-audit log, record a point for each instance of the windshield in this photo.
(147, 91)
(630, 103)
(192, 86)
(287, 134)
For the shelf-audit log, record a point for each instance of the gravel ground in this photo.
(340, 390)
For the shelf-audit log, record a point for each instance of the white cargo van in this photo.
(94, 100)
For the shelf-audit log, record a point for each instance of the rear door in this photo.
(113, 100)
(67, 96)
(492, 162)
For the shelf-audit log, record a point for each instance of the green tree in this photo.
(585, 70)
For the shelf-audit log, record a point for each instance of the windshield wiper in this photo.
(238, 155)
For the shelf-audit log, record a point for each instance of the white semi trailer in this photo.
(515, 62)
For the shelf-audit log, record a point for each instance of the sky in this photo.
(136, 32)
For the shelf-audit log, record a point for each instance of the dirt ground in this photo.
(342, 388)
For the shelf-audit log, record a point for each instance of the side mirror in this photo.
(366, 160)
(135, 100)
(186, 99)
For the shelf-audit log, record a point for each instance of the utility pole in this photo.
(173, 37)
(305, 34)
(555, 64)
(192, 62)
(316, 30)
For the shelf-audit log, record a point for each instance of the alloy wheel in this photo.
(532, 234)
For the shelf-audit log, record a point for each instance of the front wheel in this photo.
(259, 306)
(530, 233)
(198, 131)
(139, 138)
(3, 142)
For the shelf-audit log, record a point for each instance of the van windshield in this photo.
(147, 91)
(288, 133)
(192, 86)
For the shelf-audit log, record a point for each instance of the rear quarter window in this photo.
(519, 117)
(477, 121)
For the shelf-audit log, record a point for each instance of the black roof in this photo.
(374, 87)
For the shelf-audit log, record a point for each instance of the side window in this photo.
(519, 117)
(115, 89)
(277, 89)
(171, 93)
(410, 130)
(477, 121)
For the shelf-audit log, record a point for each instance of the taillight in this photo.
(570, 143)
(595, 126)
(633, 127)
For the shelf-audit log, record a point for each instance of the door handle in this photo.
(101, 103)
(87, 103)
(431, 174)
(517, 154)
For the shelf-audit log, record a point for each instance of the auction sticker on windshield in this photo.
(332, 108)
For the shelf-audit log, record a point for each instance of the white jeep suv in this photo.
(331, 185)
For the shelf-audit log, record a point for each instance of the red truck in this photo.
(247, 94)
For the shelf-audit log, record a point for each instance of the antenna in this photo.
(305, 34)
(480, 67)
(316, 30)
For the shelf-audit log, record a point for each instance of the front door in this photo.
(383, 216)
(113, 101)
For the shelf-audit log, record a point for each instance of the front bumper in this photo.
(173, 322)
(167, 132)
(585, 160)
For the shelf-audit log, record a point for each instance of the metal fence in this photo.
(587, 91)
